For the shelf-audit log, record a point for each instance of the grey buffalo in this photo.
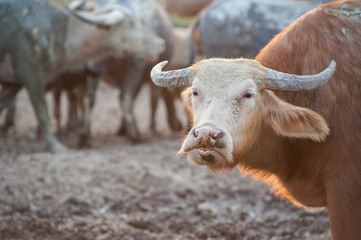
(241, 28)
(40, 41)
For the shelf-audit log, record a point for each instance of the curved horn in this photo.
(78, 5)
(172, 79)
(289, 82)
(106, 17)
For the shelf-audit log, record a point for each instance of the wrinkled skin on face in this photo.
(230, 110)
(223, 102)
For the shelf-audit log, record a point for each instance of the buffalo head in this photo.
(121, 31)
(230, 102)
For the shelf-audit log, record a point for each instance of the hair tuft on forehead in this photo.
(219, 71)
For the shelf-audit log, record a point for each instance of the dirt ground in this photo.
(117, 190)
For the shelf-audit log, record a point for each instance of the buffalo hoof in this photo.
(37, 136)
(136, 140)
(154, 132)
(84, 141)
(133, 139)
(121, 130)
(176, 126)
(61, 134)
(131, 132)
(56, 147)
(4, 129)
(134, 136)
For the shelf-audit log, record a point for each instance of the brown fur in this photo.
(188, 8)
(291, 121)
(74, 84)
(305, 145)
(319, 174)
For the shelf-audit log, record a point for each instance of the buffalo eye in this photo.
(194, 92)
(248, 94)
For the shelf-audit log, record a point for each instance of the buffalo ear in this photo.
(292, 121)
(186, 97)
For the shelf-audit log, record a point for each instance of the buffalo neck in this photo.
(287, 165)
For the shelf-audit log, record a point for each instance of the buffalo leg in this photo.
(7, 95)
(72, 120)
(88, 103)
(9, 117)
(343, 203)
(79, 96)
(7, 98)
(154, 98)
(129, 87)
(57, 109)
(27, 74)
(169, 100)
(122, 128)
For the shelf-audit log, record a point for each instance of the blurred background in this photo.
(105, 165)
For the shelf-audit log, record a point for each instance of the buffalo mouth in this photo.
(208, 151)
(205, 156)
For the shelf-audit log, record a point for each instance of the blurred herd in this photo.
(61, 47)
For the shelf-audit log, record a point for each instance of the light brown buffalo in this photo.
(303, 139)
(185, 7)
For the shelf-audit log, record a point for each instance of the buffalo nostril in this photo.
(195, 133)
(217, 135)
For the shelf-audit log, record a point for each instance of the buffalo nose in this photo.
(217, 135)
(207, 134)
